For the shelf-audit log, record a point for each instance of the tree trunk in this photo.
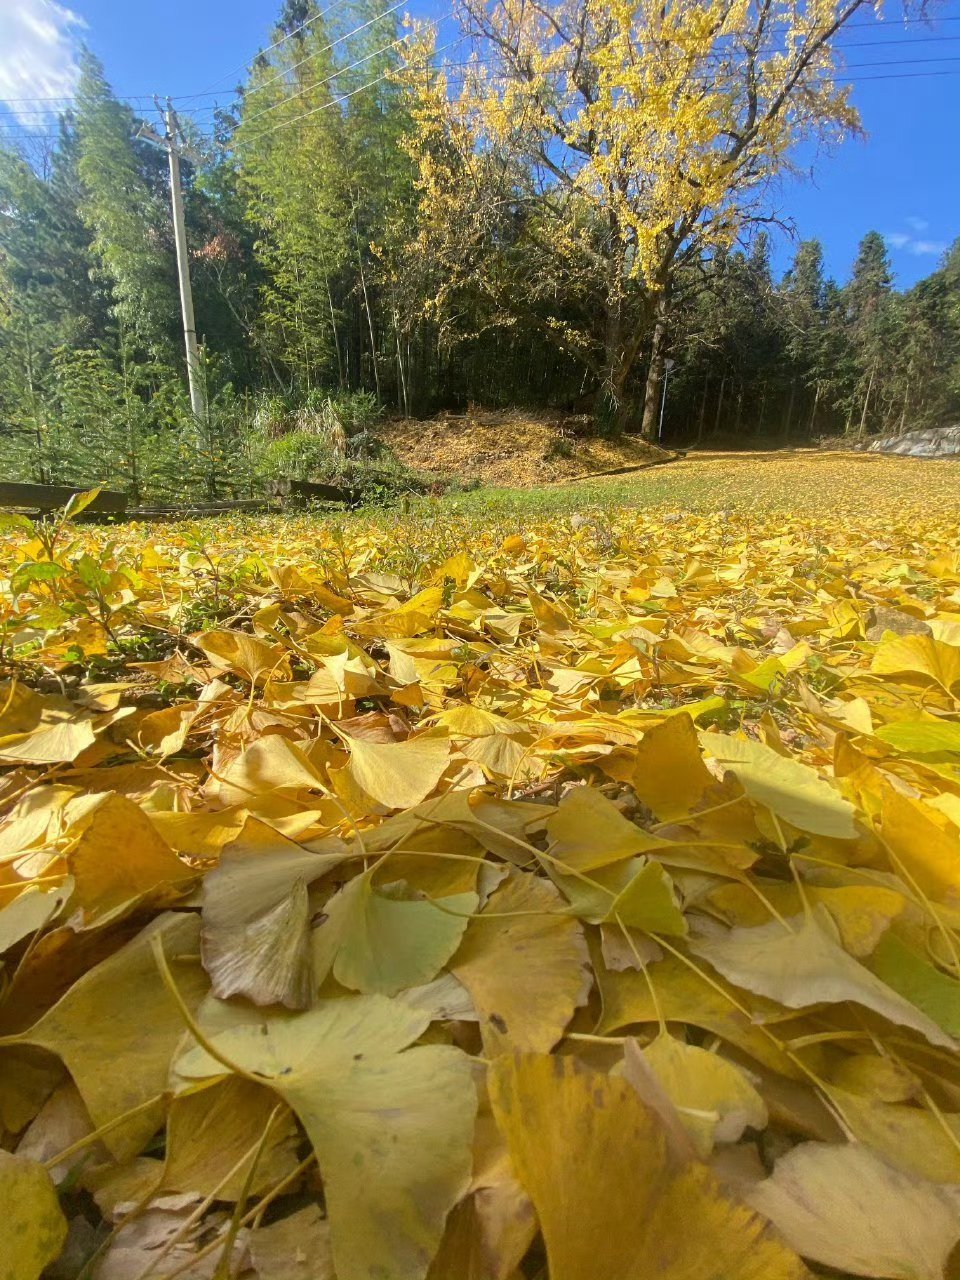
(716, 421)
(611, 409)
(903, 412)
(401, 376)
(862, 430)
(367, 308)
(703, 409)
(788, 421)
(813, 411)
(658, 355)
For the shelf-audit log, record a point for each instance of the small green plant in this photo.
(77, 585)
(558, 448)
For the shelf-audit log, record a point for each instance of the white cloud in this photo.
(914, 244)
(928, 246)
(38, 57)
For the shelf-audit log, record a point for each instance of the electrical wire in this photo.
(263, 52)
(897, 62)
(9, 110)
(281, 75)
(308, 88)
(859, 79)
(213, 93)
(335, 102)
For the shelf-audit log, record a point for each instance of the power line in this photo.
(263, 52)
(339, 72)
(213, 93)
(370, 84)
(876, 23)
(335, 102)
(281, 75)
(886, 44)
(72, 97)
(858, 79)
(906, 75)
(39, 111)
(897, 62)
(132, 99)
(308, 88)
(55, 137)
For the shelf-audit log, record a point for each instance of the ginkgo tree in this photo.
(648, 135)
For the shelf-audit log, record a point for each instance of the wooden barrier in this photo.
(304, 491)
(43, 498)
(195, 510)
(50, 497)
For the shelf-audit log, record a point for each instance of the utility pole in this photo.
(172, 143)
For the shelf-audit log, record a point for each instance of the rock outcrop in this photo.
(933, 442)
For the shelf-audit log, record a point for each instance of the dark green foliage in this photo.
(809, 358)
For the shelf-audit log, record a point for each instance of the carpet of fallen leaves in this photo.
(442, 896)
(513, 447)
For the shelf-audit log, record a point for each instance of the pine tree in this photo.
(804, 296)
(870, 319)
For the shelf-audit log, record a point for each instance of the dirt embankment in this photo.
(513, 447)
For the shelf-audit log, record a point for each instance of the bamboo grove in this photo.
(541, 211)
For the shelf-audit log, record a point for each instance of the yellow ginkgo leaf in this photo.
(527, 972)
(383, 939)
(638, 894)
(256, 919)
(922, 657)
(490, 1231)
(789, 788)
(923, 738)
(245, 654)
(201, 834)
(910, 1137)
(862, 912)
(30, 911)
(803, 964)
(270, 764)
(914, 978)
(120, 1013)
(681, 994)
(669, 775)
(877, 1078)
(714, 1098)
(588, 831)
(398, 775)
(119, 858)
(923, 847)
(213, 1134)
(392, 1126)
(612, 1198)
(842, 1206)
(34, 1228)
(49, 743)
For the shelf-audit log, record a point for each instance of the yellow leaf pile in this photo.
(443, 899)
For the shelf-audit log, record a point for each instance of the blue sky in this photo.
(903, 180)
